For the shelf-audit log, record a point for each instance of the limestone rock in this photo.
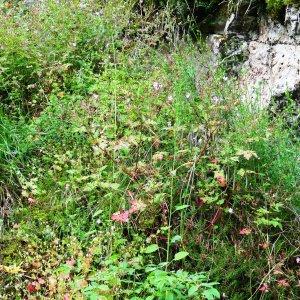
(273, 65)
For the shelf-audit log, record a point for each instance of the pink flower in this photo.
(264, 288)
(41, 280)
(31, 287)
(282, 283)
(31, 201)
(67, 297)
(245, 231)
(121, 216)
(136, 206)
(71, 262)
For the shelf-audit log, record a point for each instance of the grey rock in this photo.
(273, 65)
(266, 61)
(292, 20)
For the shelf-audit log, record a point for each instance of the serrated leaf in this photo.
(181, 255)
(150, 269)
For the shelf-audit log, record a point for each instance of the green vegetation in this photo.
(206, 10)
(131, 169)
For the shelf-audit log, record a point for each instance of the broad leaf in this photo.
(152, 248)
(181, 255)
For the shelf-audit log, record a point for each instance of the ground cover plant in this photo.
(130, 167)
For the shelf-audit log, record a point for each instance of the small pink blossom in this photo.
(264, 288)
(121, 216)
(71, 262)
(283, 283)
(31, 201)
(41, 280)
(136, 206)
(245, 231)
(67, 297)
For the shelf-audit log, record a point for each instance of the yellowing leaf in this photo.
(11, 269)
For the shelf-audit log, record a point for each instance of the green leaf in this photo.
(181, 255)
(192, 290)
(211, 294)
(97, 213)
(175, 239)
(241, 172)
(181, 207)
(150, 249)
(163, 264)
(109, 185)
(169, 295)
(165, 228)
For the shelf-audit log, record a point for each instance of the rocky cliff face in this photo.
(267, 59)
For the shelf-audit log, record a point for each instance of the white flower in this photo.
(188, 95)
(170, 99)
(157, 86)
(215, 99)
(230, 210)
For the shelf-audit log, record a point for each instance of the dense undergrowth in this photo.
(211, 12)
(130, 168)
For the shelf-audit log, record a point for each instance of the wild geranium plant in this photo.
(130, 167)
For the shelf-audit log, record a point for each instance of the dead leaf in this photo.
(247, 154)
(221, 181)
(52, 284)
(264, 245)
